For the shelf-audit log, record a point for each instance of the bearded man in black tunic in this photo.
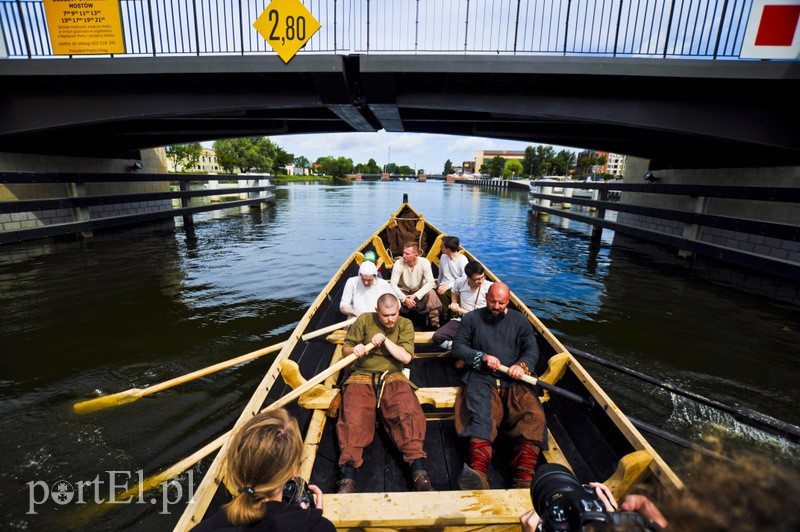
(487, 338)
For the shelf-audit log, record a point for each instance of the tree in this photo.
(564, 160)
(512, 168)
(302, 162)
(530, 164)
(448, 167)
(282, 157)
(391, 168)
(496, 166)
(371, 167)
(335, 167)
(248, 154)
(405, 170)
(184, 156)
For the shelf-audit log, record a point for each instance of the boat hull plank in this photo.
(408, 510)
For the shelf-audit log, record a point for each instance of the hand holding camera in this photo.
(297, 492)
(560, 502)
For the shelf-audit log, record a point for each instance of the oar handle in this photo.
(533, 381)
(326, 330)
(319, 377)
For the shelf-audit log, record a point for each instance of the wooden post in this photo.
(597, 230)
(188, 221)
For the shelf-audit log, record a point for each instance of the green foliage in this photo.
(335, 167)
(586, 162)
(448, 167)
(495, 166)
(512, 168)
(372, 167)
(391, 168)
(302, 162)
(563, 162)
(542, 160)
(405, 170)
(185, 156)
(248, 154)
(282, 157)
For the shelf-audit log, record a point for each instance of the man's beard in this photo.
(492, 318)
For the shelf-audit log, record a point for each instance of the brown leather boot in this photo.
(469, 479)
(420, 481)
(347, 484)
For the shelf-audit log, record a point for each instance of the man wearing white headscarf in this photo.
(361, 292)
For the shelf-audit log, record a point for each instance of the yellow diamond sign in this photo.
(287, 26)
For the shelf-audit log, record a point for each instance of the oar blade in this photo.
(107, 401)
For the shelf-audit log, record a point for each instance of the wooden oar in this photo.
(179, 467)
(741, 413)
(133, 394)
(641, 425)
(586, 401)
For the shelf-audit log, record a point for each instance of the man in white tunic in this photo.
(451, 265)
(469, 293)
(361, 292)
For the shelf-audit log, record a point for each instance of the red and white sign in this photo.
(773, 30)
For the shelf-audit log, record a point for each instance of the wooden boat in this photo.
(596, 443)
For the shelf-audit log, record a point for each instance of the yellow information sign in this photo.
(79, 28)
(287, 26)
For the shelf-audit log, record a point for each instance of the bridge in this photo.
(573, 73)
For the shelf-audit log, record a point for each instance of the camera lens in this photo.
(551, 480)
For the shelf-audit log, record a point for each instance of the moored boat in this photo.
(590, 436)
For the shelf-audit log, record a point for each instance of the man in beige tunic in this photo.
(414, 284)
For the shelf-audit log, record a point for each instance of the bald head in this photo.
(388, 311)
(497, 298)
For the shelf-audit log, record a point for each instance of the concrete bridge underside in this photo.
(680, 113)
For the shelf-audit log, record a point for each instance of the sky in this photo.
(417, 150)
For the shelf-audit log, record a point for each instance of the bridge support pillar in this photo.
(544, 202)
(567, 192)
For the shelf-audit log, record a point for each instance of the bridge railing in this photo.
(705, 29)
(90, 206)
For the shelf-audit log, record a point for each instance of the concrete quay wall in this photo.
(153, 161)
(768, 211)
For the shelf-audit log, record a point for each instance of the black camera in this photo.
(563, 503)
(296, 492)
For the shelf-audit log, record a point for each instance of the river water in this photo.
(134, 307)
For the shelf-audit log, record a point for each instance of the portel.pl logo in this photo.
(111, 490)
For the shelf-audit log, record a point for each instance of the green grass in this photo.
(291, 178)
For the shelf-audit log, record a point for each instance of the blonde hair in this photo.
(261, 457)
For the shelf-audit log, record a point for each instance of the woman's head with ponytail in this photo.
(262, 456)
